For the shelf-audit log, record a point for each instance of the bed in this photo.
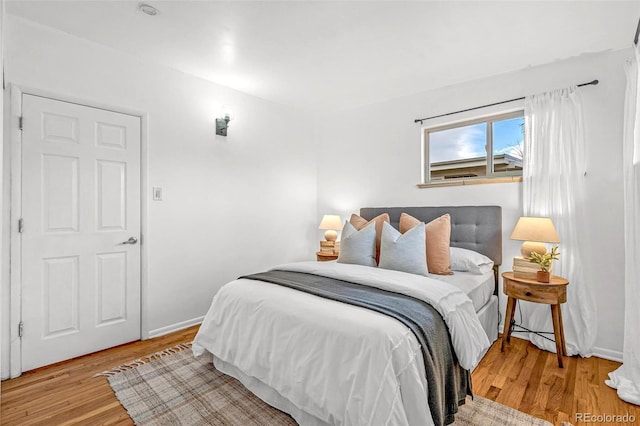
(477, 228)
(327, 361)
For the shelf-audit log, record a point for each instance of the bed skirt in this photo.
(488, 316)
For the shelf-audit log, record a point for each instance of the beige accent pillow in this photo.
(438, 239)
(360, 222)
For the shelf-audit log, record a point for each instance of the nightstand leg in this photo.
(564, 342)
(557, 330)
(511, 310)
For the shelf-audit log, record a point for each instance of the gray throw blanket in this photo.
(447, 382)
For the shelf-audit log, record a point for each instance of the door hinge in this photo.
(20, 329)
(20, 120)
(20, 225)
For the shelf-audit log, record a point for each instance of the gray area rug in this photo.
(173, 387)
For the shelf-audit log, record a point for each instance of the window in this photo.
(486, 148)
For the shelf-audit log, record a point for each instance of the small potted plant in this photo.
(544, 260)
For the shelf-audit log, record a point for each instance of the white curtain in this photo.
(553, 186)
(626, 379)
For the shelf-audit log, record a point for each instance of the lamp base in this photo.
(331, 235)
(532, 246)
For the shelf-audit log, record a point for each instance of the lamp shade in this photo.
(538, 229)
(331, 222)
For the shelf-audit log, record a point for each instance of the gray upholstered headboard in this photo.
(477, 228)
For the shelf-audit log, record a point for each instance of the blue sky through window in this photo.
(458, 143)
(508, 136)
(469, 141)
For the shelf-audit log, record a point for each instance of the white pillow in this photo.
(403, 252)
(358, 247)
(463, 260)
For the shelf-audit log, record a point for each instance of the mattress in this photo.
(479, 288)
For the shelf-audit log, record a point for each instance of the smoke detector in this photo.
(149, 10)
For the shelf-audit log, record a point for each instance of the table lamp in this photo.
(332, 223)
(534, 231)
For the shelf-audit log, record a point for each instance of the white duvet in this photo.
(336, 363)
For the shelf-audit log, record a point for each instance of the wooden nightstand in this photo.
(324, 256)
(554, 293)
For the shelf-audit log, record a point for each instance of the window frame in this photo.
(490, 176)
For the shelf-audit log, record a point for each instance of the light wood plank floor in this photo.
(67, 393)
(528, 379)
(523, 377)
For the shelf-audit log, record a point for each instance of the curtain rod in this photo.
(420, 120)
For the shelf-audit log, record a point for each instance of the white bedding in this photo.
(334, 362)
(478, 287)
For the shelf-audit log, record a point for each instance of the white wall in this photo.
(243, 203)
(376, 154)
(3, 309)
(231, 205)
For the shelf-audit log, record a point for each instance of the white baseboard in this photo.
(607, 354)
(599, 352)
(174, 327)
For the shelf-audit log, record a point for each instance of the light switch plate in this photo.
(157, 193)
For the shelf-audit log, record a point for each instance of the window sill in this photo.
(478, 181)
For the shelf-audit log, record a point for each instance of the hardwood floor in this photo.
(523, 377)
(67, 393)
(528, 379)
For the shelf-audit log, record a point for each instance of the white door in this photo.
(80, 230)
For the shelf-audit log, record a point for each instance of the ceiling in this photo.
(328, 55)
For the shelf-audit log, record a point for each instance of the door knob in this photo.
(131, 240)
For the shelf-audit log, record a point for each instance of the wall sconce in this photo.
(222, 124)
